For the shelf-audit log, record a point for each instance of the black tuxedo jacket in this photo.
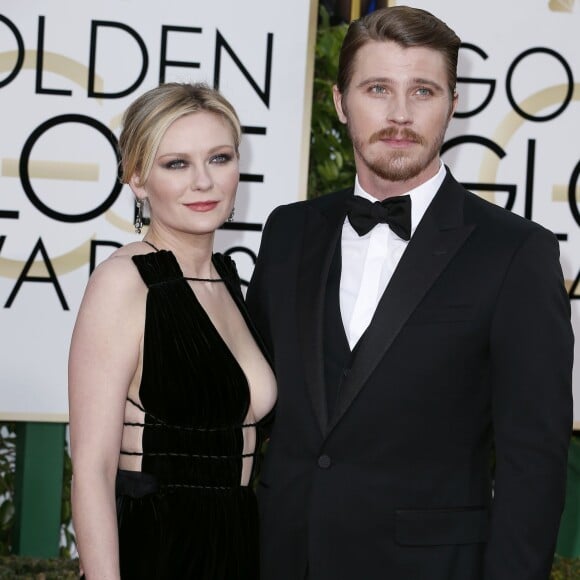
(466, 363)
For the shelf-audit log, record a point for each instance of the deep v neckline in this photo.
(210, 322)
(238, 300)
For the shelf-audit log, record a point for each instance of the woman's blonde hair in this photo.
(149, 116)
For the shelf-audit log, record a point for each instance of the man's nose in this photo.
(399, 111)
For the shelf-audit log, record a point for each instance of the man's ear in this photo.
(454, 101)
(337, 97)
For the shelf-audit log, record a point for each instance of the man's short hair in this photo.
(405, 26)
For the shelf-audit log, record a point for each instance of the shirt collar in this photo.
(421, 196)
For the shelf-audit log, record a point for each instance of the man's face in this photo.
(397, 108)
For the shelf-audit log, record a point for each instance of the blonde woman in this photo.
(168, 383)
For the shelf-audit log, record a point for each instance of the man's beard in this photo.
(399, 165)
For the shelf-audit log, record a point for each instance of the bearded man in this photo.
(417, 331)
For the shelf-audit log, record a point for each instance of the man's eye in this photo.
(377, 89)
(424, 92)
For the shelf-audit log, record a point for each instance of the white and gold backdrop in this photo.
(514, 139)
(68, 70)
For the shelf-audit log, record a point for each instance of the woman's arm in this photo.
(103, 362)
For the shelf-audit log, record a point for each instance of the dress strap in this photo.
(158, 268)
(135, 404)
(150, 244)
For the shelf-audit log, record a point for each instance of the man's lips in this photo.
(399, 143)
(394, 138)
(202, 206)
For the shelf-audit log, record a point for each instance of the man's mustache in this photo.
(394, 133)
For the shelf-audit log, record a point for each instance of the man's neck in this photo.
(381, 188)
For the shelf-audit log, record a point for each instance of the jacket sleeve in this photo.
(531, 352)
(257, 296)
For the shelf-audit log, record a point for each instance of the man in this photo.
(409, 358)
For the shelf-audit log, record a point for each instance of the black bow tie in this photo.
(364, 215)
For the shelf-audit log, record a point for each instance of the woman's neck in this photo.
(192, 251)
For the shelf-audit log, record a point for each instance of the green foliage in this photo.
(565, 569)
(24, 568)
(7, 477)
(331, 158)
(67, 534)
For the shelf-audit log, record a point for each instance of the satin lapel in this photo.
(322, 233)
(438, 237)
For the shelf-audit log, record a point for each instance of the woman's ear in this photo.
(136, 187)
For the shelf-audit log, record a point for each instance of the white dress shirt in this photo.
(368, 261)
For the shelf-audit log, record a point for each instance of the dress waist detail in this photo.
(186, 456)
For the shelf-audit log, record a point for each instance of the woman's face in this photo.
(193, 180)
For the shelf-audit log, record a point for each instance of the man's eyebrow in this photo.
(372, 80)
(429, 82)
(389, 81)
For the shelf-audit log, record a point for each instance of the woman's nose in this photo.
(201, 178)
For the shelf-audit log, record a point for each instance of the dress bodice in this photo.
(194, 395)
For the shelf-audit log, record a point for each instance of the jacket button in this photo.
(324, 462)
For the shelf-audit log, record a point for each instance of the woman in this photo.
(168, 385)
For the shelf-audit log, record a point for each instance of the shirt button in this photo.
(324, 462)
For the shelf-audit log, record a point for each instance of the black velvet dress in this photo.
(185, 515)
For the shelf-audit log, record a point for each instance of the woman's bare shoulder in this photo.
(132, 249)
(118, 269)
(116, 279)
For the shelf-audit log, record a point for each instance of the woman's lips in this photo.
(202, 206)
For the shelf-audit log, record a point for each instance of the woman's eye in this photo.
(221, 158)
(175, 164)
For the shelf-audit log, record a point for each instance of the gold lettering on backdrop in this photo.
(79, 256)
(512, 122)
(53, 170)
(53, 62)
(560, 193)
(509, 126)
(64, 264)
(119, 222)
(561, 5)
